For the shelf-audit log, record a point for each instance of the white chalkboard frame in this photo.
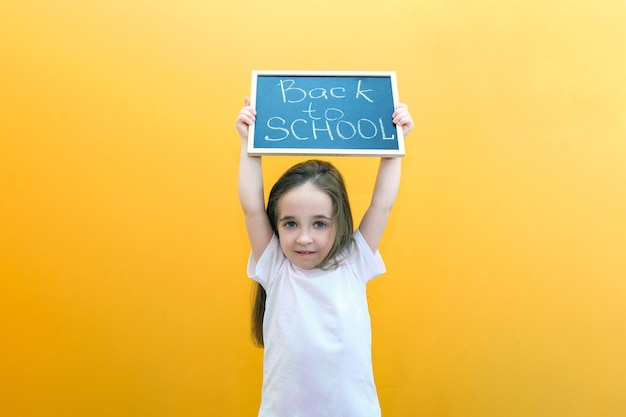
(330, 151)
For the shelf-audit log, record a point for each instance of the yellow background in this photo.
(122, 247)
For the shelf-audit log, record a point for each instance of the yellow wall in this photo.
(122, 248)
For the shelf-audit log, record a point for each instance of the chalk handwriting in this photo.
(332, 123)
(292, 94)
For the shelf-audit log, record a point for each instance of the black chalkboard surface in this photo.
(324, 113)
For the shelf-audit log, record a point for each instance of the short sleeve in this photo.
(367, 265)
(268, 265)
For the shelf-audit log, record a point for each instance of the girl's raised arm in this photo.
(250, 187)
(386, 188)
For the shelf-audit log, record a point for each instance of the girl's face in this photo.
(306, 227)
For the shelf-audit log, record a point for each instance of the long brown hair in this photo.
(328, 179)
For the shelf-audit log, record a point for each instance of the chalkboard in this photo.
(324, 113)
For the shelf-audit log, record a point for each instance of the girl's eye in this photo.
(320, 224)
(290, 224)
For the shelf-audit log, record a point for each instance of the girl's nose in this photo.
(304, 238)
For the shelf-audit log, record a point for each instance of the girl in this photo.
(312, 268)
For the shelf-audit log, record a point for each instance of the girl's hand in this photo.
(246, 117)
(402, 118)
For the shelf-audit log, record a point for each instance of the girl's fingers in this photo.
(248, 115)
(400, 110)
(402, 117)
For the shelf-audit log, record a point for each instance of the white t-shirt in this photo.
(317, 334)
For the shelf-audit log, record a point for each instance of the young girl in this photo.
(312, 268)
